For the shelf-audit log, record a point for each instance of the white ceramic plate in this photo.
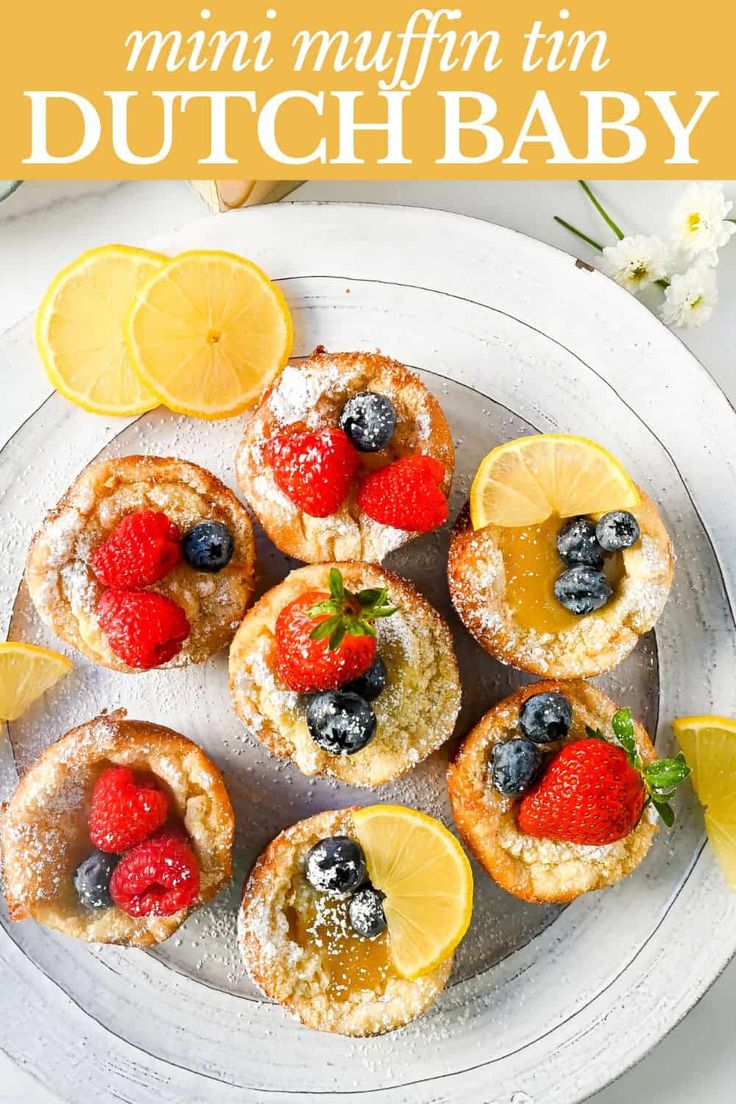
(545, 1005)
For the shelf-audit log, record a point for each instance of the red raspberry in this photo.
(141, 549)
(125, 810)
(406, 494)
(143, 628)
(157, 877)
(314, 470)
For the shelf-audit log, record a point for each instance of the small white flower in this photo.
(637, 261)
(698, 221)
(691, 297)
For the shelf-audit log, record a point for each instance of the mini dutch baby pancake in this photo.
(145, 562)
(556, 791)
(116, 833)
(350, 918)
(346, 670)
(346, 457)
(560, 563)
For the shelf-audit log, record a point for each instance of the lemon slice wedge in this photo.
(80, 330)
(709, 744)
(208, 332)
(427, 881)
(27, 672)
(526, 481)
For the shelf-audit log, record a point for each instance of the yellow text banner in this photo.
(350, 91)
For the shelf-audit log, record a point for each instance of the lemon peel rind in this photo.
(520, 445)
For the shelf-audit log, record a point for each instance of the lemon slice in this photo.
(27, 672)
(526, 481)
(709, 744)
(80, 330)
(208, 332)
(426, 878)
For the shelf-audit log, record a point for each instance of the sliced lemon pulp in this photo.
(80, 330)
(208, 332)
(27, 672)
(709, 744)
(526, 481)
(427, 881)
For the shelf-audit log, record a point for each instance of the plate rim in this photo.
(560, 256)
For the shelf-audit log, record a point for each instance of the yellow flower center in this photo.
(693, 221)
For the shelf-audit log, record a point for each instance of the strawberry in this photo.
(589, 793)
(313, 469)
(326, 640)
(406, 494)
(594, 791)
(140, 550)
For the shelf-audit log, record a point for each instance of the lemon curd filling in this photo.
(532, 564)
(351, 961)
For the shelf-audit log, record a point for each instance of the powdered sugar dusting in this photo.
(270, 793)
(312, 395)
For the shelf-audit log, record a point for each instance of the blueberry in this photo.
(514, 766)
(369, 421)
(577, 543)
(340, 723)
(208, 546)
(582, 589)
(336, 865)
(369, 685)
(92, 878)
(617, 530)
(365, 912)
(545, 717)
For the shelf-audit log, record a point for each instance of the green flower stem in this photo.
(604, 214)
(579, 234)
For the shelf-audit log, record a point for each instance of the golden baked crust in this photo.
(416, 712)
(43, 835)
(66, 591)
(537, 870)
(598, 641)
(312, 394)
(295, 976)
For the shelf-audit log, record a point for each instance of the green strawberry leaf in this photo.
(623, 728)
(359, 628)
(665, 811)
(348, 614)
(335, 583)
(371, 597)
(325, 628)
(594, 733)
(321, 608)
(665, 775)
(660, 777)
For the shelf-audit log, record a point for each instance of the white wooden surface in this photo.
(695, 1062)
